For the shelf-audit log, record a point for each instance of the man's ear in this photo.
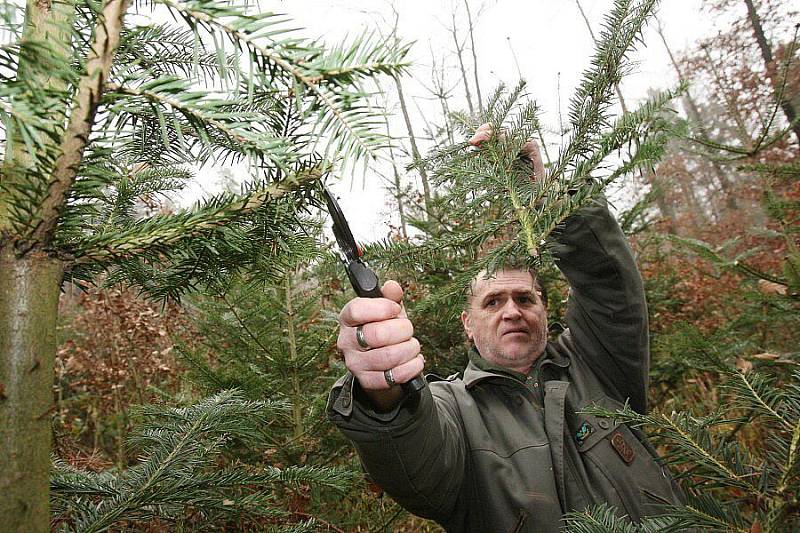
(467, 322)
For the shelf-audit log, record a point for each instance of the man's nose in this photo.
(511, 311)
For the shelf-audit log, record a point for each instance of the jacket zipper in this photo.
(523, 516)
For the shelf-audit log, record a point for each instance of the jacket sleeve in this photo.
(607, 327)
(416, 452)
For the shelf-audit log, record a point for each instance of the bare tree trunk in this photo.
(474, 57)
(459, 54)
(448, 129)
(666, 208)
(694, 114)
(690, 197)
(29, 289)
(398, 188)
(769, 64)
(414, 150)
(731, 104)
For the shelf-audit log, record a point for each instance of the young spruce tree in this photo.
(487, 207)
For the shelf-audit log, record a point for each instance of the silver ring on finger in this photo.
(360, 338)
(387, 375)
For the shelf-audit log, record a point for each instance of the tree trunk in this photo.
(731, 103)
(459, 51)
(29, 289)
(46, 23)
(415, 155)
(291, 339)
(474, 57)
(769, 65)
(694, 114)
(398, 186)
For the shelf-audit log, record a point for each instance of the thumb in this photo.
(394, 292)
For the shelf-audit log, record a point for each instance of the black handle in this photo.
(365, 283)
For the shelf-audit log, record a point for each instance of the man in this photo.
(504, 448)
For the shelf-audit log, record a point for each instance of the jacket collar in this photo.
(479, 369)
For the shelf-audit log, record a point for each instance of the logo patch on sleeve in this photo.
(583, 432)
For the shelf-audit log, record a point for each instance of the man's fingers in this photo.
(392, 291)
(376, 380)
(381, 359)
(482, 134)
(385, 333)
(363, 310)
(531, 150)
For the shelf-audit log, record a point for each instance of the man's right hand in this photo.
(392, 346)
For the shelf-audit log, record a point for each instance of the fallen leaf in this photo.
(769, 287)
(766, 356)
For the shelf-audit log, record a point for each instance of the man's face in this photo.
(506, 319)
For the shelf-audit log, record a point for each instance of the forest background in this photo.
(183, 402)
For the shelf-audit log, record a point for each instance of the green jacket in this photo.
(495, 450)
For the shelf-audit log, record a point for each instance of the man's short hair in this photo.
(509, 264)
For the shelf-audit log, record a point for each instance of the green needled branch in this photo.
(177, 94)
(162, 232)
(307, 78)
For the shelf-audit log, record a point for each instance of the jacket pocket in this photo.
(621, 469)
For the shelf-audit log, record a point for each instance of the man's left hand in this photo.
(529, 150)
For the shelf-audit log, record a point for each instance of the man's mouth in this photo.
(515, 332)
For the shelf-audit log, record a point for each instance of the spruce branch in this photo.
(160, 49)
(158, 233)
(715, 256)
(706, 512)
(792, 465)
(588, 107)
(605, 519)
(177, 470)
(350, 126)
(202, 111)
(757, 392)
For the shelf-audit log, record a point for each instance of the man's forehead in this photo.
(521, 280)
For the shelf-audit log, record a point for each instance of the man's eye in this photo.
(491, 303)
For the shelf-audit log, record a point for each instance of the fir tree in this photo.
(97, 112)
(270, 340)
